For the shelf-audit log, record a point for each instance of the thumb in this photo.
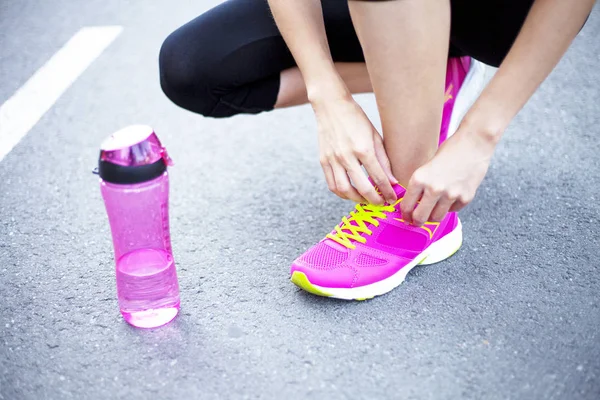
(382, 157)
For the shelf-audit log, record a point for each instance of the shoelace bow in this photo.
(364, 214)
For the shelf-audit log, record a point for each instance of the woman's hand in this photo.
(347, 140)
(449, 181)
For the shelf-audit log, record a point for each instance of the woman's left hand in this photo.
(448, 182)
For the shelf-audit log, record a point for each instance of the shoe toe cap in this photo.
(341, 276)
(325, 264)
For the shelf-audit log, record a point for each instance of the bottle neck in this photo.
(120, 174)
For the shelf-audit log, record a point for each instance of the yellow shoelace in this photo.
(364, 214)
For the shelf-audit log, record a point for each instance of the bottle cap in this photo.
(132, 155)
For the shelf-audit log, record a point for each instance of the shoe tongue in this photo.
(398, 188)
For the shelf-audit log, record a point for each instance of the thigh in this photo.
(229, 59)
(235, 42)
(343, 42)
(486, 30)
(239, 41)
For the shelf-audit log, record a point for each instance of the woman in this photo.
(248, 56)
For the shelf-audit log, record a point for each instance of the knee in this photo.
(185, 75)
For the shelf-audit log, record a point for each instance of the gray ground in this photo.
(514, 315)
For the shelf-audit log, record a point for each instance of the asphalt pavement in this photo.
(515, 314)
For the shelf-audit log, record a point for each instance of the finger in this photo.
(364, 187)
(425, 207)
(382, 157)
(441, 209)
(411, 197)
(379, 177)
(344, 188)
(329, 178)
(457, 206)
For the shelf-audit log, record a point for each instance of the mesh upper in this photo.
(323, 256)
(365, 260)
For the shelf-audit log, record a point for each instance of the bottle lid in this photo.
(132, 155)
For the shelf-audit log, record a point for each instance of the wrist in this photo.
(483, 132)
(488, 126)
(326, 89)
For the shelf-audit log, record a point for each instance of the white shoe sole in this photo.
(438, 251)
(477, 78)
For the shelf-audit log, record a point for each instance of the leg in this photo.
(233, 60)
(486, 30)
(346, 51)
(292, 91)
(407, 71)
(226, 61)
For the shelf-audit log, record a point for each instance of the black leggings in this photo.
(228, 60)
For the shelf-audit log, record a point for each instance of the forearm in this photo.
(548, 31)
(301, 25)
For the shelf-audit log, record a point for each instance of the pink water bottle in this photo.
(135, 186)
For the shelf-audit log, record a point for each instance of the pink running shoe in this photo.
(370, 252)
(456, 72)
(465, 80)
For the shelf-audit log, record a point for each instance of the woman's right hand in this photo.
(347, 140)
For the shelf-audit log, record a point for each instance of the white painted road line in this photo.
(26, 107)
